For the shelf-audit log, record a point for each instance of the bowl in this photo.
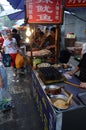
(60, 101)
(53, 90)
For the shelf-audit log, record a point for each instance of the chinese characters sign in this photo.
(75, 3)
(44, 11)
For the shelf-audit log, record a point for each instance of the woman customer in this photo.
(10, 47)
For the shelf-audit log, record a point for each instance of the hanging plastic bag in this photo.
(6, 102)
(19, 61)
(5, 96)
(6, 59)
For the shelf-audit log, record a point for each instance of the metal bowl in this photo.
(60, 101)
(53, 90)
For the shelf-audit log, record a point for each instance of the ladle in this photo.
(69, 99)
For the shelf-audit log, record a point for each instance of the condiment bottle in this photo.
(34, 63)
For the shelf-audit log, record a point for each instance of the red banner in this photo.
(44, 11)
(75, 3)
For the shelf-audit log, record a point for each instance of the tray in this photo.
(50, 75)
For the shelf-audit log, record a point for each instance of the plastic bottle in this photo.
(34, 63)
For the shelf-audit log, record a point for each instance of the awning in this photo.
(17, 16)
(17, 4)
(13, 14)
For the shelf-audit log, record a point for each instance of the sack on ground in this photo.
(6, 59)
(19, 61)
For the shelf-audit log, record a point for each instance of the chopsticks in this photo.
(73, 84)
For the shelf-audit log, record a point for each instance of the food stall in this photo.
(71, 116)
(53, 117)
(41, 13)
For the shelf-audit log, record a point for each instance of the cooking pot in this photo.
(52, 90)
(60, 101)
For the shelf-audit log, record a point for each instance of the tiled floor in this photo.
(24, 115)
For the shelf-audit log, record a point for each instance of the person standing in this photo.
(1, 41)
(16, 36)
(47, 33)
(82, 70)
(49, 42)
(10, 47)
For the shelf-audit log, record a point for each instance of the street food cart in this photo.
(53, 118)
(73, 117)
(41, 13)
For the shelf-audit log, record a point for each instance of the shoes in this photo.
(15, 80)
(14, 74)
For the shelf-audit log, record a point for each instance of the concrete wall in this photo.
(74, 24)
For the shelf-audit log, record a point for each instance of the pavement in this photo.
(24, 115)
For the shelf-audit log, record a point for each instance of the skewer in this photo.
(73, 84)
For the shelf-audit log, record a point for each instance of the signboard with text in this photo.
(75, 3)
(44, 11)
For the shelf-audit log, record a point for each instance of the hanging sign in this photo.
(44, 11)
(75, 3)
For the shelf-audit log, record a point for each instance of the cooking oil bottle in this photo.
(34, 63)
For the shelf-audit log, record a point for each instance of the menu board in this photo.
(75, 3)
(44, 11)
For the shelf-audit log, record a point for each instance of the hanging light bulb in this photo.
(27, 40)
(28, 32)
(32, 30)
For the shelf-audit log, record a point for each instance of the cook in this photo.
(82, 68)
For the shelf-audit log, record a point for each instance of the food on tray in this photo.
(50, 73)
(43, 65)
(42, 52)
(60, 103)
